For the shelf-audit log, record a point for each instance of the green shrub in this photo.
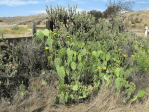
(136, 18)
(133, 22)
(133, 26)
(15, 28)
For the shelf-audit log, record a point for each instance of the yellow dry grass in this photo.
(9, 33)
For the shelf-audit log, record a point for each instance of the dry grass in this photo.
(143, 14)
(105, 101)
(8, 32)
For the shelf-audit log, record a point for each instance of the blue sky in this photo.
(11, 8)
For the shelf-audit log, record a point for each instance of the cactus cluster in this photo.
(79, 54)
(75, 52)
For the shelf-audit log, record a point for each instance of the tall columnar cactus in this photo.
(60, 14)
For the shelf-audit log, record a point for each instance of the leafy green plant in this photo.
(22, 87)
(139, 94)
(142, 60)
(56, 99)
(34, 86)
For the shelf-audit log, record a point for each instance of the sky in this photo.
(12, 8)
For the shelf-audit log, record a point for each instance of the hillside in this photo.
(137, 20)
(40, 19)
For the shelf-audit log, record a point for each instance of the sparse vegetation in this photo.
(18, 30)
(133, 22)
(136, 18)
(133, 26)
(15, 30)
